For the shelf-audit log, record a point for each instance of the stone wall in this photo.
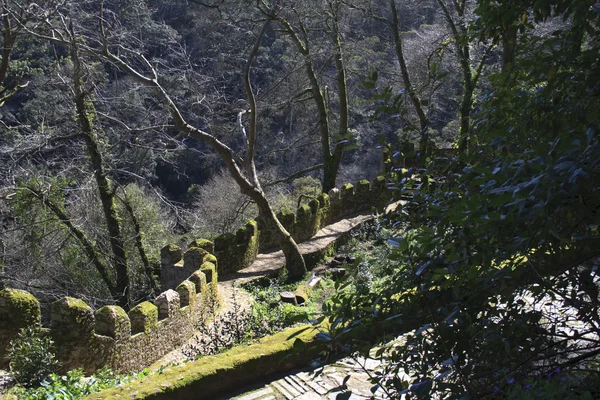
(236, 251)
(131, 341)
(110, 336)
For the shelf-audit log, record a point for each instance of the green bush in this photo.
(31, 357)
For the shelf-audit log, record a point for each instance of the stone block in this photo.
(203, 244)
(143, 317)
(198, 278)
(324, 200)
(314, 205)
(18, 309)
(334, 195)
(363, 187)
(170, 254)
(193, 258)
(113, 321)
(72, 317)
(210, 271)
(224, 241)
(187, 293)
(167, 303)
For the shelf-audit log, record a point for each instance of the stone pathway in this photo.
(348, 379)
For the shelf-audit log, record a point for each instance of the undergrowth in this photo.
(73, 385)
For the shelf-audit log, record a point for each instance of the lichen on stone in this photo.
(113, 321)
(203, 244)
(19, 308)
(143, 317)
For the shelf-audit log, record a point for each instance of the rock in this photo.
(288, 297)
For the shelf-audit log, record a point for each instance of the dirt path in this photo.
(265, 264)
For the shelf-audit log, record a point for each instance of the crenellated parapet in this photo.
(239, 249)
(128, 341)
(110, 336)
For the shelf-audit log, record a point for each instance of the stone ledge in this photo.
(209, 376)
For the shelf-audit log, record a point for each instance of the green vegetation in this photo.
(31, 356)
(74, 385)
(490, 266)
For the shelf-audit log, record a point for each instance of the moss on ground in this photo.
(212, 375)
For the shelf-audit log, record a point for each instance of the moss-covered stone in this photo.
(187, 293)
(19, 308)
(303, 214)
(193, 258)
(243, 235)
(143, 317)
(210, 271)
(198, 278)
(113, 321)
(209, 376)
(210, 258)
(224, 241)
(302, 293)
(347, 190)
(170, 254)
(363, 187)
(287, 219)
(324, 200)
(314, 205)
(203, 244)
(72, 317)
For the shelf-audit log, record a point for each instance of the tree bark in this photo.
(85, 112)
(412, 94)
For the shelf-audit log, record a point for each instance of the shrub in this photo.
(31, 357)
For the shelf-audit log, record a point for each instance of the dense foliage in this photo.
(494, 258)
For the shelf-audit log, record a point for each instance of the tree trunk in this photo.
(412, 94)
(294, 262)
(85, 112)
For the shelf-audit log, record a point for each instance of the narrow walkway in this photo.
(265, 265)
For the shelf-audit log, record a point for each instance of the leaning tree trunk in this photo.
(294, 262)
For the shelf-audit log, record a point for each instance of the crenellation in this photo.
(168, 303)
(72, 317)
(143, 317)
(187, 293)
(198, 278)
(112, 321)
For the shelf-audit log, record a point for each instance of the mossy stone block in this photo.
(347, 190)
(187, 293)
(72, 316)
(210, 271)
(287, 218)
(143, 317)
(113, 321)
(302, 294)
(19, 308)
(203, 244)
(170, 254)
(303, 214)
(324, 200)
(314, 205)
(334, 195)
(243, 235)
(224, 241)
(363, 187)
(198, 278)
(193, 258)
